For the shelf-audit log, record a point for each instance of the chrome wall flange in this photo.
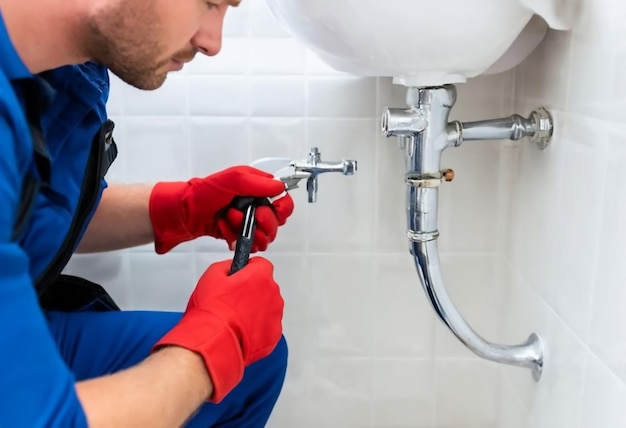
(544, 124)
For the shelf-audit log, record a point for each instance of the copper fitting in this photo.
(448, 174)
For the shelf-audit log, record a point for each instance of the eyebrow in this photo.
(234, 3)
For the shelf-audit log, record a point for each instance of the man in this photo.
(222, 362)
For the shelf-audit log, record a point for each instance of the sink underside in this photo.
(418, 42)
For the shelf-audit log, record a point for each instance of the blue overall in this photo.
(44, 353)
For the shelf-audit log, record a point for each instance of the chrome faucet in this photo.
(423, 133)
(314, 166)
(291, 172)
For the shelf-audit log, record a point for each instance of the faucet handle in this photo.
(349, 167)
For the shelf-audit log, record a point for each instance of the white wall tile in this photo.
(277, 96)
(606, 338)
(262, 22)
(543, 77)
(341, 303)
(342, 393)
(484, 97)
(535, 210)
(468, 387)
(341, 97)
(566, 223)
(278, 137)
(233, 59)
(276, 56)
(342, 219)
(390, 197)
(583, 150)
(237, 21)
(291, 274)
(158, 148)
(293, 236)
(218, 96)
(169, 100)
(167, 288)
(218, 143)
(604, 396)
(294, 407)
(403, 395)
(511, 412)
(465, 204)
(618, 112)
(556, 399)
(405, 324)
(591, 61)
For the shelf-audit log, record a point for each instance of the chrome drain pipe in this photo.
(424, 133)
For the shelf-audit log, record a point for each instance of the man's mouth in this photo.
(176, 65)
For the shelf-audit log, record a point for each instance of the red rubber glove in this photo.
(181, 211)
(231, 321)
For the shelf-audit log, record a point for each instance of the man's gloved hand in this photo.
(181, 211)
(231, 321)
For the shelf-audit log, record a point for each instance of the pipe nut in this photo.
(544, 127)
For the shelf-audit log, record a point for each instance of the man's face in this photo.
(140, 41)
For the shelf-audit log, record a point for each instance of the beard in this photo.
(129, 52)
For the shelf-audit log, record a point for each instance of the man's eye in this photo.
(211, 5)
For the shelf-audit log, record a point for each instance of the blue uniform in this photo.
(45, 353)
(75, 114)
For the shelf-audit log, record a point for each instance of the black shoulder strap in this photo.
(61, 292)
(102, 153)
(36, 96)
(71, 293)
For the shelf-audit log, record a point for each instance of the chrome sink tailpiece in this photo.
(424, 133)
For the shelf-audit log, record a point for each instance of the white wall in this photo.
(530, 240)
(565, 242)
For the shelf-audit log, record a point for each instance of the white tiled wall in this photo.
(565, 246)
(530, 240)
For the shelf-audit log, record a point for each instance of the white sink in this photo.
(423, 42)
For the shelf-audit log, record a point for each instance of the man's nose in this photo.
(208, 39)
(209, 46)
